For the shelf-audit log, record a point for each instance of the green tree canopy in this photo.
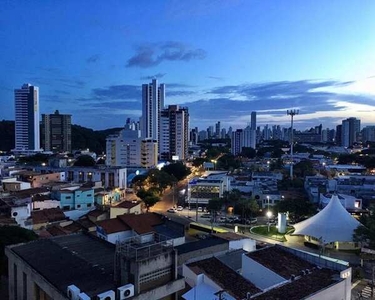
(304, 168)
(149, 198)
(297, 208)
(365, 233)
(84, 161)
(178, 170)
(161, 179)
(248, 152)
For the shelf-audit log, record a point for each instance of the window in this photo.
(68, 197)
(78, 205)
(89, 204)
(89, 195)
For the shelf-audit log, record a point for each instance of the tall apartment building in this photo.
(153, 96)
(217, 129)
(174, 132)
(236, 141)
(350, 130)
(26, 100)
(254, 120)
(56, 132)
(338, 135)
(368, 134)
(128, 149)
(249, 138)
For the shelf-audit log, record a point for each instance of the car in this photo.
(171, 210)
(202, 236)
(200, 209)
(206, 216)
(180, 208)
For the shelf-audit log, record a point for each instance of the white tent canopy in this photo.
(332, 224)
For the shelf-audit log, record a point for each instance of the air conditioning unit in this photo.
(125, 292)
(84, 296)
(109, 295)
(73, 292)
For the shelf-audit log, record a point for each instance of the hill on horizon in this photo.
(82, 137)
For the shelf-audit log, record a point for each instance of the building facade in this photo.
(174, 133)
(350, 131)
(56, 132)
(27, 133)
(153, 96)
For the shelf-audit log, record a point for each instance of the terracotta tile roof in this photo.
(228, 279)
(30, 192)
(113, 225)
(128, 204)
(56, 230)
(74, 227)
(280, 261)
(47, 215)
(96, 213)
(303, 287)
(142, 223)
(86, 222)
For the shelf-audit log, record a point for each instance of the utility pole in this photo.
(291, 113)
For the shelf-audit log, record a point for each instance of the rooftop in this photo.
(225, 277)
(128, 204)
(280, 261)
(47, 215)
(302, 287)
(230, 236)
(201, 244)
(113, 225)
(83, 260)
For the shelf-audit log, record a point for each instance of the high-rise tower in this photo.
(152, 103)
(26, 100)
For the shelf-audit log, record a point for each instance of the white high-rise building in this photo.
(27, 133)
(351, 128)
(128, 149)
(249, 137)
(152, 103)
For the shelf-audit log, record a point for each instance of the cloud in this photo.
(156, 76)
(150, 55)
(93, 58)
(119, 92)
(216, 78)
(179, 93)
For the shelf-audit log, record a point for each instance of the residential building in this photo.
(27, 118)
(153, 96)
(236, 141)
(253, 120)
(143, 225)
(85, 267)
(249, 138)
(174, 133)
(38, 179)
(128, 149)
(217, 129)
(261, 274)
(75, 198)
(368, 134)
(125, 207)
(56, 132)
(350, 131)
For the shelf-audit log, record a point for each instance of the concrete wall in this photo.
(259, 275)
(162, 291)
(114, 237)
(202, 253)
(32, 278)
(21, 213)
(46, 204)
(336, 291)
(245, 244)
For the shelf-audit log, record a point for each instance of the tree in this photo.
(248, 152)
(84, 161)
(304, 168)
(277, 165)
(178, 170)
(297, 208)
(228, 162)
(161, 179)
(197, 162)
(365, 233)
(246, 208)
(149, 198)
(10, 235)
(214, 205)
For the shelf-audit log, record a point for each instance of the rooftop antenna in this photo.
(291, 113)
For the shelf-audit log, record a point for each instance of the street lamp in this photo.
(214, 162)
(268, 213)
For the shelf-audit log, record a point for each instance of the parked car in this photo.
(171, 210)
(206, 216)
(200, 209)
(180, 208)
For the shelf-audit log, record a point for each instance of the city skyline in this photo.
(255, 58)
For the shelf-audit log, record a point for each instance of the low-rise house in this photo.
(43, 218)
(108, 197)
(125, 207)
(37, 179)
(76, 198)
(128, 225)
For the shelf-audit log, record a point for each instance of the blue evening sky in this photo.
(222, 59)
